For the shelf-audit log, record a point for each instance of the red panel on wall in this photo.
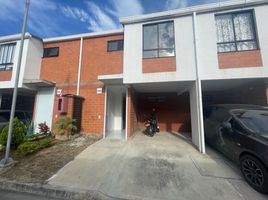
(5, 75)
(152, 65)
(240, 59)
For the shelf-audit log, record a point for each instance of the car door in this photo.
(217, 116)
(209, 125)
(233, 139)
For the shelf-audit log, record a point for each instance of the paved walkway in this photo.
(162, 167)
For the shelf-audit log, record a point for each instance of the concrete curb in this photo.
(54, 191)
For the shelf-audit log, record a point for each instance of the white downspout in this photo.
(198, 90)
(79, 67)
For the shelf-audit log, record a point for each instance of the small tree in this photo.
(17, 134)
(65, 126)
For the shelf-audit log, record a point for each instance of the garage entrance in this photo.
(235, 91)
(172, 111)
(175, 104)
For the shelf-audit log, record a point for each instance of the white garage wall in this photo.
(114, 108)
(196, 119)
(44, 107)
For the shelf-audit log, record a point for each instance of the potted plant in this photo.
(64, 128)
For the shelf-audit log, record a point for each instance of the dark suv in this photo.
(241, 133)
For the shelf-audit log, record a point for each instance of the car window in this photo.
(254, 120)
(237, 126)
(218, 114)
(4, 116)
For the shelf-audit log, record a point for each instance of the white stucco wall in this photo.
(33, 60)
(184, 47)
(197, 118)
(44, 107)
(114, 108)
(194, 115)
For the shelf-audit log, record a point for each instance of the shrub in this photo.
(65, 126)
(43, 128)
(27, 148)
(35, 137)
(17, 133)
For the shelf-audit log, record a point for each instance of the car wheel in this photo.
(255, 173)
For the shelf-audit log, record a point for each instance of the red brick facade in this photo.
(240, 59)
(95, 61)
(152, 65)
(132, 113)
(6, 75)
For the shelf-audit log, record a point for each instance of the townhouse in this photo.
(175, 62)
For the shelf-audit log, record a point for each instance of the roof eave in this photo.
(189, 11)
(84, 35)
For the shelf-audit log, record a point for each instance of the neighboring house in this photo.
(174, 61)
(29, 82)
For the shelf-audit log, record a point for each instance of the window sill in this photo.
(159, 57)
(258, 49)
(4, 70)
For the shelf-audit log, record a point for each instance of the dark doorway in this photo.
(77, 112)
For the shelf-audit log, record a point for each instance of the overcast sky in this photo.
(50, 18)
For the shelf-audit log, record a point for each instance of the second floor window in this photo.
(158, 40)
(115, 45)
(6, 56)
(51, 52)
(236, 32)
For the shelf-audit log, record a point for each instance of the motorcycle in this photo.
(151, 126)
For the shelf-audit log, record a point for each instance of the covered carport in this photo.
(176, 106)
(234, 91)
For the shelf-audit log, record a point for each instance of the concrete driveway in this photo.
(165, 166)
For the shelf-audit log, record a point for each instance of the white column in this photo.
(200, 140)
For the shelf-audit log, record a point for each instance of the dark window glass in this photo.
(207, 112)
(19, 115)
(6, 56)
(158, 40)
(4, 116)
(236, 32)
(115, 45)
(218, 114)
(51, 52)
(254, 120)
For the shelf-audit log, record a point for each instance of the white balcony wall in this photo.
(33, 60)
